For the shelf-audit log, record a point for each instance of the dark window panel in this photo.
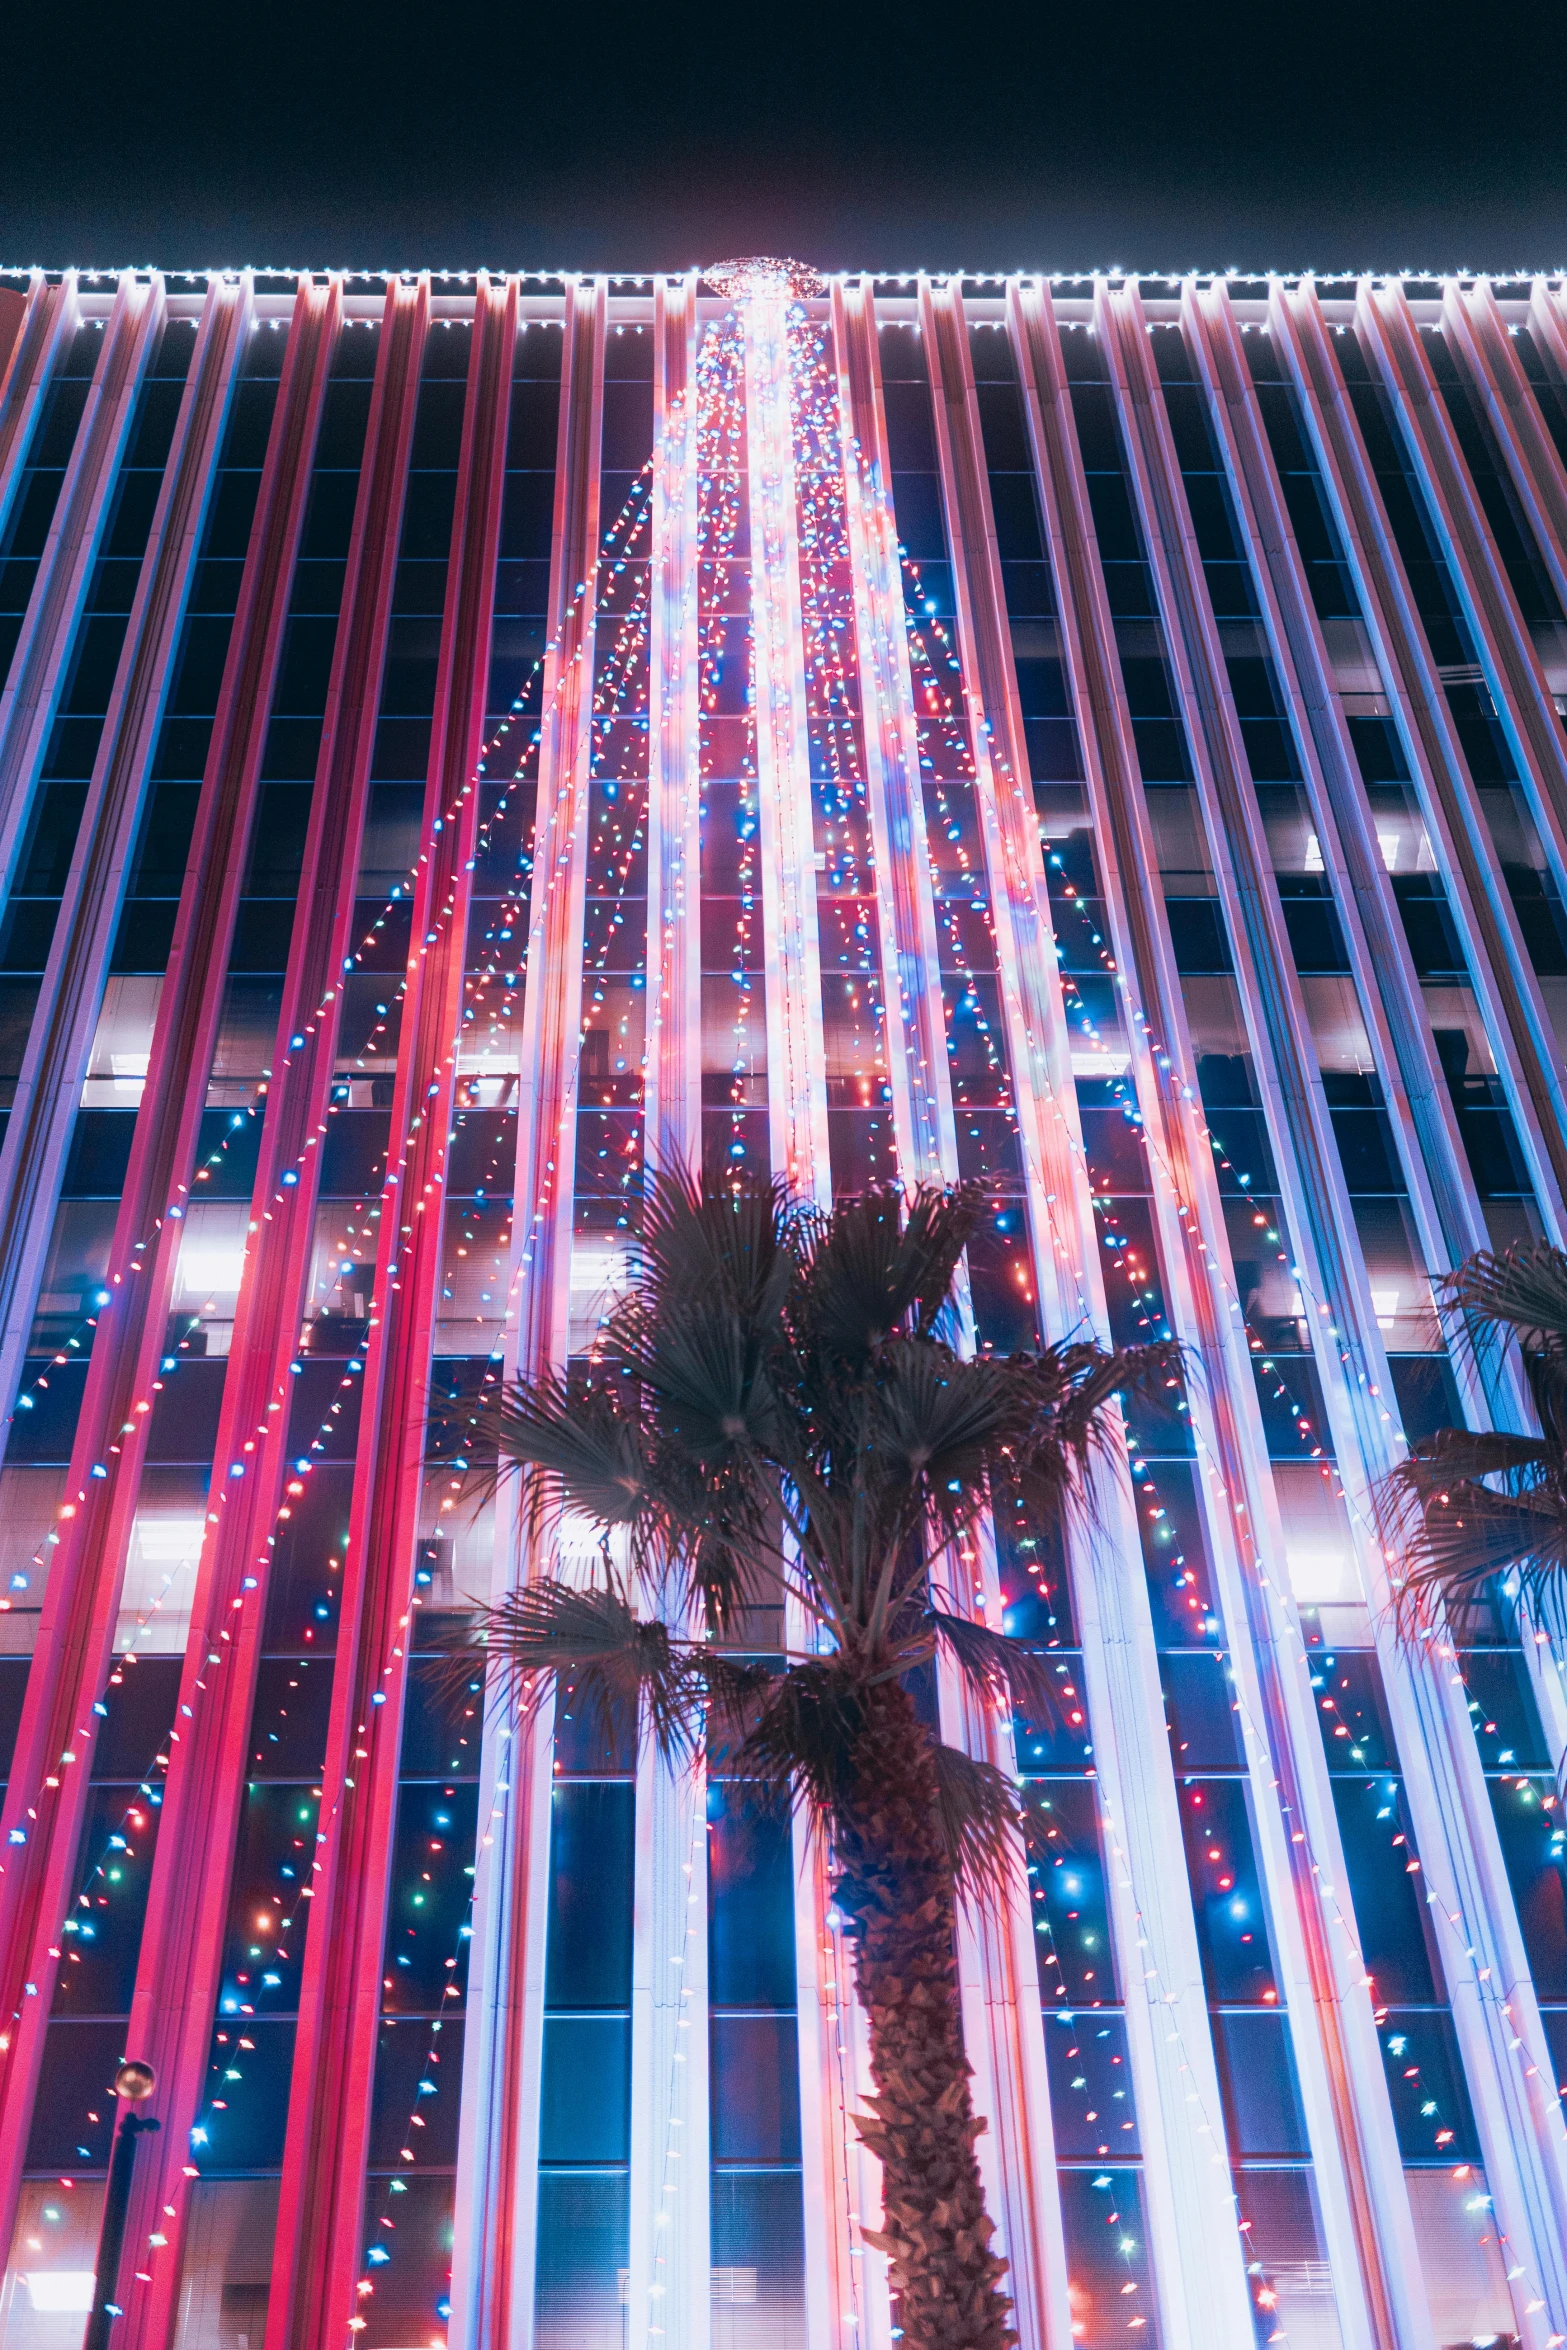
(329, 517)
(230, 514)
(308, 645)
(94, 659)
(1211, 518)
(427, 516)
(755, 2088)
(437, 435)
(589, 1936)
(1107, 2261)
(345, 412)
(1431, 2110)
(1367, 1150)
(534, 427)
(1534, 1847)
(584, 2240)
(751, 1903)
(1226, 1892)
(408, 682)
(759, 2257)
(418, 2078)
(245, 2112)
(101, 1933)
(268, 1915)
(1199, 1702)
(1198, 935)
(1257, 2082)
(1016, 512)
(182, 747)
(140, 1699)
(26, 930)
(1003, 427)
(13, 1689)
(1091, 2109)
(46, 860)
(306, 1566)
(628, 424)
(911, 438)
(185, 1416)
(145, 935)
(289, 1720)
(74, 2111)
(262, 932)
(1388, 1888)
(1357, 1732)
(1067, 1892)
(1427, 1394)
(44, 1433)
(1293, 1415)
(917, 507)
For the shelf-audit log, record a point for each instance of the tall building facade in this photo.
(467, 740)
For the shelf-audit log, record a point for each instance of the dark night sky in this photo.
(1353, 133)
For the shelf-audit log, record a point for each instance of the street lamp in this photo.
(133, 2084)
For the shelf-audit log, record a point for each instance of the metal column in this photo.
(40, 1824)
(37, 673)
(1459, 1849)
(180, 1967)
(50, 317)
(1517, 1022)
(38, 1136)
(318, 2261)
(1204, 2298)
(671, 2233)
(998, 1971)
(495, 2258)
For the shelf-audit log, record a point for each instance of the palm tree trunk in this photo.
(896, 1884)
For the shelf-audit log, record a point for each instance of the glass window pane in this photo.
(1291, 2283)
(755, 2088)
(1257, 2080)
(1090, 2085)
(1109, 2281)
(758, 2224)
(228, 2260)
(589, 1962)
(587, 2089)
(584, 2222)
(751, 1903)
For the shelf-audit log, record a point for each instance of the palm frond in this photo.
(1097, 1379)
(623, 1668)
(880, 1263)
(938, 1416)
(1520, 1295)
(582, 1445)
(1523, 1290)
(736, 1241)
(735, 1688)
(1471, 1507)
(704, 1374)
(800, 1744)
(980, 1815)
(998, 1665)
(1478, 1538)
(1070, 1391)
(1456, 1455)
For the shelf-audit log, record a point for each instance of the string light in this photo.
(618, 839)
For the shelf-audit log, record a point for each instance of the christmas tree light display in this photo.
(863, 732)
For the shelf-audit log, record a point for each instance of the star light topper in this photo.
(763, 273)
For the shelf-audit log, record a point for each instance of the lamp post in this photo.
(133, 2083)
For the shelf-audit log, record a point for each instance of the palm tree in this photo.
(1474, 1505)
(777, 1408)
